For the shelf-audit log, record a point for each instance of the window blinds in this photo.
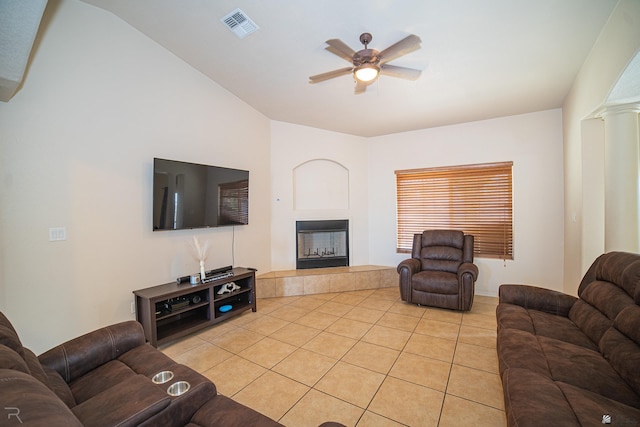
(476, 199)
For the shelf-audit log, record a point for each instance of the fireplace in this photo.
(323, 243)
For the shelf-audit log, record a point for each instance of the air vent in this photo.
(240, 23)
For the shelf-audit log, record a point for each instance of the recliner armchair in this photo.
(440, 272)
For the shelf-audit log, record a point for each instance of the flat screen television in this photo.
(190, 195)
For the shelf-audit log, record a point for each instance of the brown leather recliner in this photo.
(440, 272)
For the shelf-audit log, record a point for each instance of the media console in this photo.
(172, 310)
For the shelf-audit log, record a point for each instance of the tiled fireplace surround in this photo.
(324, 280)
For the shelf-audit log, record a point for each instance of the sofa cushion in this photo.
(128, 403)
(146, 360)
(35, 367)
(511, 316)
(558, 403)
(563, 361)
(600, 303)
(60, 387)
(440, 282)
(9, 338)
(560, 328)
(591, 321)
(520, 349)
(143, 359)
(541, 323)
(586, 369)
(80, 355)
(590, 407)
(533, 400)
(442, 250)
(9, 359)
(627, 322)
(100, 379)
(608, 297)
(621, 346)
(622, 268)
(29, 364)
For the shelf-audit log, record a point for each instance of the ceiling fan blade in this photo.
(340, 48)
(404, 46)
(339, 53)
(400, 72)
(360, 87)
(330, 75)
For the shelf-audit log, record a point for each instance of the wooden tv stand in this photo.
(173, 310)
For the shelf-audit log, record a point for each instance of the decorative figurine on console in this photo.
(228, 288)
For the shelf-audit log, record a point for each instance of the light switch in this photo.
(57, 234)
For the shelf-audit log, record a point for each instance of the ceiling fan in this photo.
(367, 63)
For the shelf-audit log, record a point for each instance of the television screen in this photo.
(190, 195)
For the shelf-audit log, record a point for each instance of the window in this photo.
(476, 199)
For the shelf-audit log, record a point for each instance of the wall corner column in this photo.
(622, 175)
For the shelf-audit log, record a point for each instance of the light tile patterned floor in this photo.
(362, 358)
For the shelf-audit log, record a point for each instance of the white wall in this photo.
(616, 46)
(101, 100)
(532, 141)
(293, 145)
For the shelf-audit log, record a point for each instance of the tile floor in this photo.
(362, 358)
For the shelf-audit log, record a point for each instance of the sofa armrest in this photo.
(80, 355)
(468, 268)
(536, 298)
(408, 267)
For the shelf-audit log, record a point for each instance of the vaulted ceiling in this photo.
(480, 59)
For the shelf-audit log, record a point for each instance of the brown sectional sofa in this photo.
(571, 361)
(104, 378)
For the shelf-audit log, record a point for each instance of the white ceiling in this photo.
(480, 58)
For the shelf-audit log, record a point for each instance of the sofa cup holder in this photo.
(178, 388)
(162, 377)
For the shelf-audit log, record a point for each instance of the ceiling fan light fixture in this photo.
(369, 63)
(366, 72)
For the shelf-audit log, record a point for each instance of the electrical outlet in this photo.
(133, 308)
(57, 234)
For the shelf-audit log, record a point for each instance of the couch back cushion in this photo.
(9, 336)
(609, 286)
(14, 356)
(442, 250)
(620, 345)
(9, 359)
(609, 312)
(50, 378)
(620, 268)
(36, 404)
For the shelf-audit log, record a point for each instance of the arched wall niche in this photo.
(320, 184)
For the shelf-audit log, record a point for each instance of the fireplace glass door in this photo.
(322, 244)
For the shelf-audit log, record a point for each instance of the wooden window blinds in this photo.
(476, 199)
